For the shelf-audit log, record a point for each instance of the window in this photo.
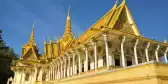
(44, 76)
(27, 77)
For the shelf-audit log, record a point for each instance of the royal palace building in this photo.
(111, 51)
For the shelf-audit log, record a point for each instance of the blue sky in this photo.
(17, 17)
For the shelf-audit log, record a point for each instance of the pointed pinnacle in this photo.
(49, 38)
(116, 2)
(34, 23)
(165, 41)
(69, 7)
(124, 1)
(31, 40)
(68, 17)
(55, 38)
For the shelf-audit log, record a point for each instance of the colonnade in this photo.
(63, 66)
(21, 75)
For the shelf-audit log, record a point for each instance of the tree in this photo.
(7, 55)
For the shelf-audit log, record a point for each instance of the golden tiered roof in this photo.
(53, 49)
(118, 18)
(29, 51)
(111, 20)
(118, 14)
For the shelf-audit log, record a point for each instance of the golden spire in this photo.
(124, 1)
(165, 41)
(116, 2)
(68, 31)
(31, 40)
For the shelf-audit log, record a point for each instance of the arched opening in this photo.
(82, 62)
(66, 68)
(71, 66)
(139, 60)
(128, 60)
(76, 64)
(104, 60)
(117, 59)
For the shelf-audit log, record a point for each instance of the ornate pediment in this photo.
(30, 55)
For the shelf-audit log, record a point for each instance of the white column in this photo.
(65, 68)
(113, 60)
(52, 71)
(156, 52)
(61, 68)
(165, 55)
(92, 64)
(58, 71)
(30, 76)
(86, 59)
(17, 77)
(135, 51)
(79, 62)
(73, 62)
(146, 51)
(95, 53)
(122, 51)
(15, 72)
(69, 65)
(49, 73)
(107, 50)
(35, 74)
(53, 68)
(55, 74)
(100, 61)
(21, 76)
(41, 74)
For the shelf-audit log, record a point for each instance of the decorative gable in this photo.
(30, 55)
